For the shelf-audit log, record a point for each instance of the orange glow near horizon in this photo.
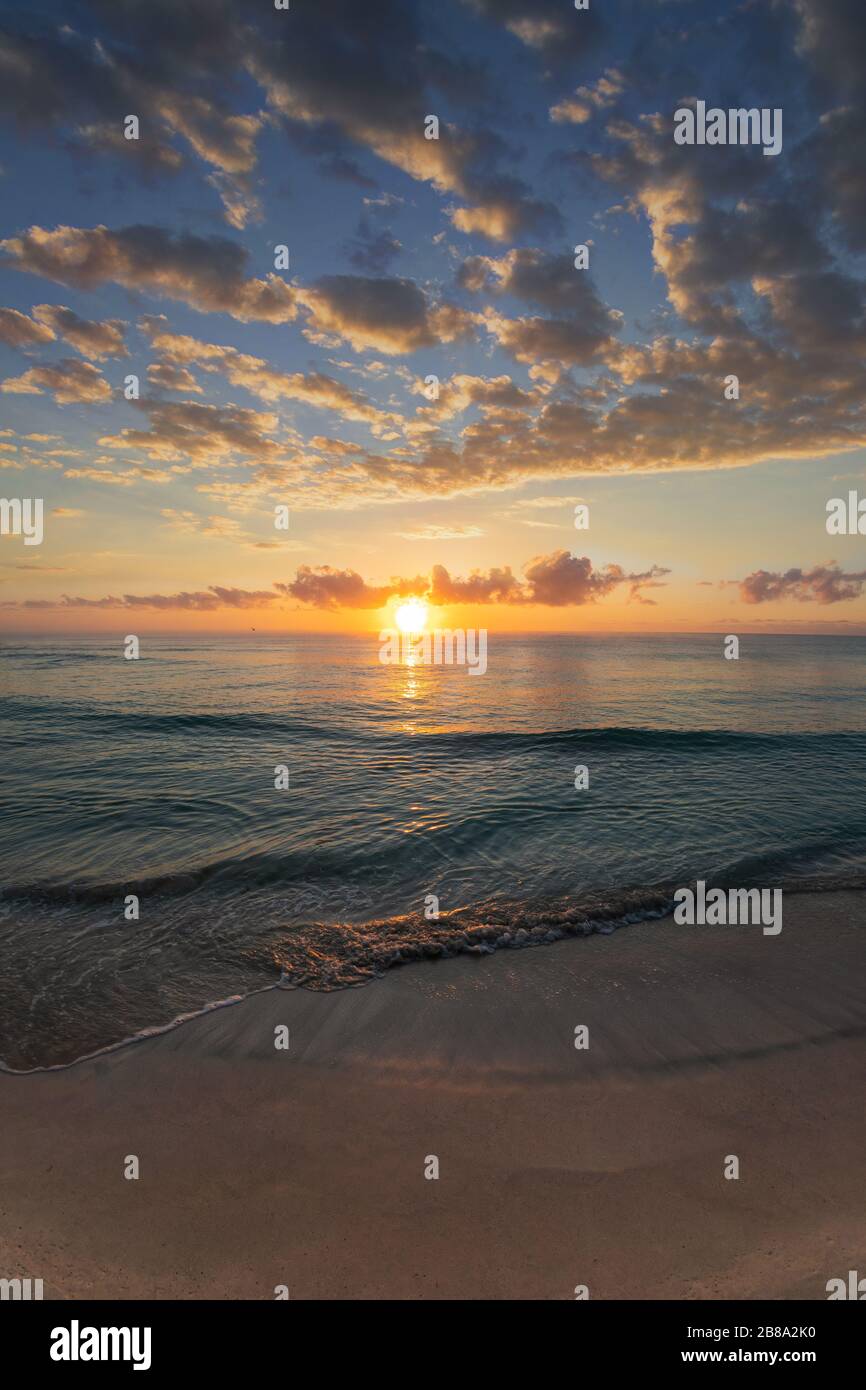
(700, 610)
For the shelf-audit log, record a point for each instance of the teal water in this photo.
(156, 778)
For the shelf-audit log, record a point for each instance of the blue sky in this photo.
(411, 257)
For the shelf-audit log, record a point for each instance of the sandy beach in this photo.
(558, 1167)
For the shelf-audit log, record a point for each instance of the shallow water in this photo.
(156, 778)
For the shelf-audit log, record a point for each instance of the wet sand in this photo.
(557, 1166)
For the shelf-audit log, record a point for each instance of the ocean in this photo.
(411, 789)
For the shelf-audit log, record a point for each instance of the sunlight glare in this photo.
(411, 616)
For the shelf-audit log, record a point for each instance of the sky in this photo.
(386, 334)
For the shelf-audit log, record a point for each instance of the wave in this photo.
(178, 723)
(253, 871)
(326, 958)
(280, 725)
(232, 874)
(156, 1030)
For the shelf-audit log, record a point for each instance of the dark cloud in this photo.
(199, 601)
(553, 28)
(324, 587)
(390, 315)
(822, 584)
(366, 74)
(339, 166)
(373, 250)
(571, 342)
(580, 327)
(821, 310)
(494, 586)
(564, 579)
(150, 156)
(832, 36)
(65, 78)
(205, 272)
(833, 160)
(556, 580)
(548, 281)
(832, 39)
(348, 75)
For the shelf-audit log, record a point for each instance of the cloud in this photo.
(256, 375)
(822, 584)
(387, 315)
(142, 63)
(364, 73)
(150, 154)
(70, 381)
(563, 579)
(170, 378)
(556, 580)
(751, 253)
(676, 189)
(672, 416)
(324, 587)
(534, 340)
(562, 504)
(834, 159)
(338, 166)
(339, 74)
(226, 141)
(549, 281)
(19, 331)
(185, 432)
(495, 586)
(373, 250)
(207, 273)
(192, 524)
(833, 35)
(557, 31)
(126, 478)
(198, 601)
(498, 396)
(581, 328)
(435, 532)
(587, 101)
(92, 339)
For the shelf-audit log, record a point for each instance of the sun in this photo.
(411, 616)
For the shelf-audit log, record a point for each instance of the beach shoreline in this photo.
(558, 1166)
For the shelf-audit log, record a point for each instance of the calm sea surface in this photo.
(156, 778)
